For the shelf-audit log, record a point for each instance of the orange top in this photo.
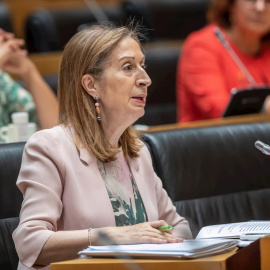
(207, 73)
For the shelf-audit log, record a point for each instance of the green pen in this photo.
(164, 228)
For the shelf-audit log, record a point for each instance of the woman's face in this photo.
(123, 88)
(251, 16)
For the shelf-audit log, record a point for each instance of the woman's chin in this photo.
(138, 115)
(258, 29)
(141, 114)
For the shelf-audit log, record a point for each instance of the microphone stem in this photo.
(234, 56)
(96, 10)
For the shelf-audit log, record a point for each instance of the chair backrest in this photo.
(167, 19)
(8, 255)
(10, 163)
(5, 19)
(49, 30)
(52, 81)
(161, 100)
(214, 174)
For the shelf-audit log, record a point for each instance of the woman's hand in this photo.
(64, 245)
(143, 233)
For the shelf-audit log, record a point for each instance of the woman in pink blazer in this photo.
(91, 174)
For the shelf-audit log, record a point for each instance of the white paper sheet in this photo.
(187, 249)
(234, 230)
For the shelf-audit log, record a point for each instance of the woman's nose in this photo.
(144, 79)
(260, 5)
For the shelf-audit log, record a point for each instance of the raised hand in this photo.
(9, 47)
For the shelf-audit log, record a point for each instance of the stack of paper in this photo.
(185, 250)
(236, 230)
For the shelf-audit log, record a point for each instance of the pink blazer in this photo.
(63, 190)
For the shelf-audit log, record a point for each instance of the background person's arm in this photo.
(9, 45)
(45, 100)
(13, 60)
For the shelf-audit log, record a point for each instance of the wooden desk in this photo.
(209, 263)
(47, 63)
(254, 257)
(20, 9)
(265, 252)
(252, 118)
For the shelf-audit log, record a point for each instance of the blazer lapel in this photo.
(105, 207)
(85, 157)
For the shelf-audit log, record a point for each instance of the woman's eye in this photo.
(127, 67)
(144, 66)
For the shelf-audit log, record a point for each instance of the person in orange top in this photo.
(207, 72)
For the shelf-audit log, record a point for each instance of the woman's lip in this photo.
(258, 19)
(140, 99)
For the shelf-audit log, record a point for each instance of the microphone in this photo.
(265, 148)
(220, 36)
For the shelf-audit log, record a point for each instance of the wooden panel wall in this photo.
(20, 9)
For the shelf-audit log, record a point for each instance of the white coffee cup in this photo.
(20, 120)
(10, 133)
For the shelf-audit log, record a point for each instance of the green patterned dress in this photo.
(123, 192)
(14, 98)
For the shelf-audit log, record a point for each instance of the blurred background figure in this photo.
(38, 100)
(208, 70)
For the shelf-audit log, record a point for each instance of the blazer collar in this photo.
(88, 159)
(85, 156)
(82, 151)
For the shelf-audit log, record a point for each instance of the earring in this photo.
(97, 108)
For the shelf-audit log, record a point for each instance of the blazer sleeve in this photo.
(167, 212)
(166, 209)
(41, 183)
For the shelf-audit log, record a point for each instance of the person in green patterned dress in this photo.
(38, 100)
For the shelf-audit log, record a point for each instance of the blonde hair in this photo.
(88, 52)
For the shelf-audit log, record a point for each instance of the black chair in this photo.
(5, 19)
(214, 175)
(52, 81)
(8, 255)
(167, 19)
(10, 201)
(49, 30)
(161, 101)
(10, 163)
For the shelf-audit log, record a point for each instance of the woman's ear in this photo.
(89, 85)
